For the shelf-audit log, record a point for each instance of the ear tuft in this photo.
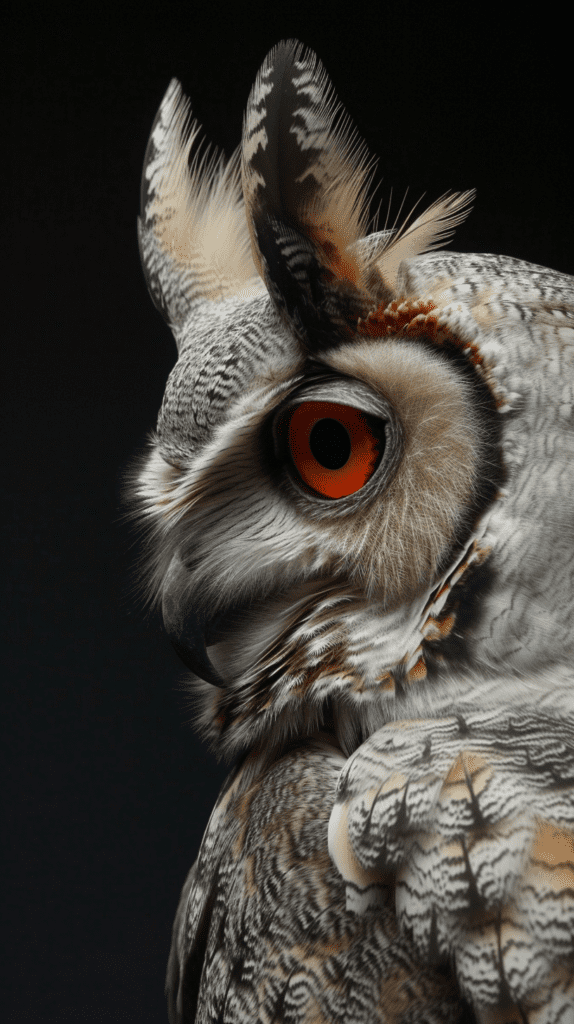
(194, 241)
(305, 182)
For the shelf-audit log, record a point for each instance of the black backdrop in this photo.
(108, 788)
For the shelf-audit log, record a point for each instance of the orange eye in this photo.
(333, 447)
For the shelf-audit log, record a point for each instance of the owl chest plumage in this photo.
(263, 932)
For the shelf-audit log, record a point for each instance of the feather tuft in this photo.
(429, 231)
(194, 241)
(302, 159)
(306, 177)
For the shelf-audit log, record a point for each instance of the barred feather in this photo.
(303, 164)
(466, 814)
(305, 181)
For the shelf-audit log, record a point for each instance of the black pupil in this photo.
(330, 443)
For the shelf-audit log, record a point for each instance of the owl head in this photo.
(330, 492)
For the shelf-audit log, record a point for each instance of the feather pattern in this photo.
(321, 964)
(457, 812)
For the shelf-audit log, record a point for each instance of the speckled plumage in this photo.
(393, 666)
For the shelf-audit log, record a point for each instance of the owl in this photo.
(360, 535)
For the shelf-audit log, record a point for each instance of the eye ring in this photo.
(333, 447)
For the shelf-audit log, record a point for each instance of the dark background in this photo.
(109, 789)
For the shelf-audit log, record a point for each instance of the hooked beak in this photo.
(186, 628)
